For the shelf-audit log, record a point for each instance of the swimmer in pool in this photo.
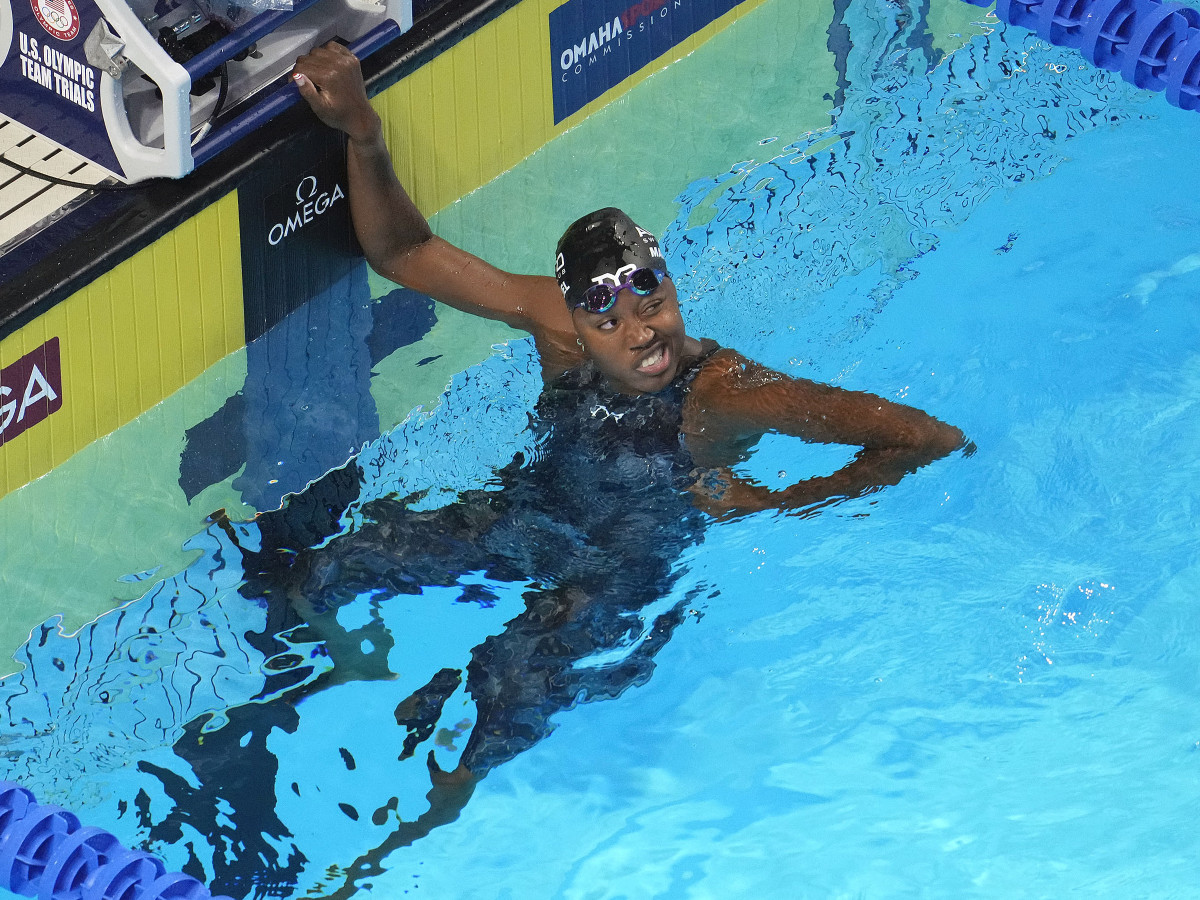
(621, 319)
(636, 428)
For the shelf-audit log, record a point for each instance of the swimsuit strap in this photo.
(708, 347)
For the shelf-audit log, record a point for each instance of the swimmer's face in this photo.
(637, 345)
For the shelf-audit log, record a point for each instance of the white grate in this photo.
(28, 203)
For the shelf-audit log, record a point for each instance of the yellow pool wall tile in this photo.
(486, 104)
(132, 337)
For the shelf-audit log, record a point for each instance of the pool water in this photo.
(977, 683)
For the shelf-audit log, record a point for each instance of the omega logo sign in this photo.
(311, 202)
(30, 390)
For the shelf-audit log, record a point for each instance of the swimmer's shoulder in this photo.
(711, 413)
(716, 375)
(726, 380)
(729, 367)
(549, 321)
(721, 365)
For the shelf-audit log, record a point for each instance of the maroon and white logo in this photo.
(59, 17)
(30, 390)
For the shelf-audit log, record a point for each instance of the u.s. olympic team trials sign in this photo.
(597, 44)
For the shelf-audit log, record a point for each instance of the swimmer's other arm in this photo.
(737, 401)
(393, 233)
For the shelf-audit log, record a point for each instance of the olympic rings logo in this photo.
(60, 18)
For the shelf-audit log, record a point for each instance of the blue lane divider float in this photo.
(1152, 44)
(45, 852)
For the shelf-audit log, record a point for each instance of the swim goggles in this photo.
(600, 298)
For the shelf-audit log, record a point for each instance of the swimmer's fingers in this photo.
(309, 92)
(328, 61)
(330, 80)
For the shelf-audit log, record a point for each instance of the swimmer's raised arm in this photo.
(387, 222)
(393, 233)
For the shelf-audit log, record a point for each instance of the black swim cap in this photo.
(602, 248)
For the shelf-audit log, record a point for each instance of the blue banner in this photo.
(597, 44)
(46, 83)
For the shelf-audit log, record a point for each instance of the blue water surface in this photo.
(977, 683)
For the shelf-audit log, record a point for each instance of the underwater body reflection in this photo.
(587, 531)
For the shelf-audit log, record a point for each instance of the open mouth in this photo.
(656, 362)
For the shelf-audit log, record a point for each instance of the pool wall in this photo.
(116, 516)
(92, 356)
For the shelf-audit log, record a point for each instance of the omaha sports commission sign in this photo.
(597, 44)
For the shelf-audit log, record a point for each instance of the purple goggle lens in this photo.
(599, 298)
